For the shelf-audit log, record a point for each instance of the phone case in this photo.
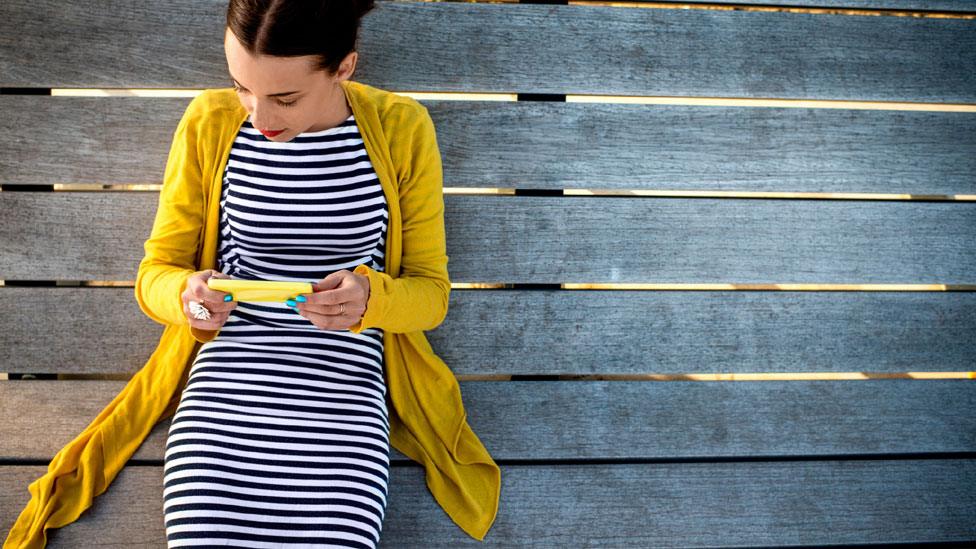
(259, 290)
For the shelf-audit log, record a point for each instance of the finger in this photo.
(330, 281)
(213, 299)
(201, 291)
(330, 310)
(347, 292)
(344, 308)
(215, 321)
(215, 307)
(330, 322)
(211, 324)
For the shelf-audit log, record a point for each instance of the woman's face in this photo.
(317, 102)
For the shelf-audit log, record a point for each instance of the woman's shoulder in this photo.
(216, 102)
(213, 114)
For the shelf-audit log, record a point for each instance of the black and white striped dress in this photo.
(281, 437)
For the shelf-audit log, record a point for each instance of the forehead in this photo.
(265, 72)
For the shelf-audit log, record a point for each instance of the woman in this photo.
(281, 436)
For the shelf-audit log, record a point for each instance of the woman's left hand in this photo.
(338, 301)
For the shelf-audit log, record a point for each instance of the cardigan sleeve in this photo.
(171, 249)
(417, 299)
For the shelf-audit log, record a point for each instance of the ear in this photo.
(348, 66)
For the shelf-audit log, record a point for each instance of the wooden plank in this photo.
(105, 332)
(565, 420)
(100, 236)
(958, 6)
(565, 332)
(586, 145)
(770, 503)
(520, 48)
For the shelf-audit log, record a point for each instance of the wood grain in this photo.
(584, 145)
(526, 332)
(518, 48)
(961, 6)
(99, 236)
(770, 503)
(569, 420)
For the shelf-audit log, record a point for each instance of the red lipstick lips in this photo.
(269, 133)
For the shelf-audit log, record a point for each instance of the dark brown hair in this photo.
(325, 28)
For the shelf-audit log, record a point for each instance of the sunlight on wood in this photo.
(750, 7)
(167, 92)
(630, 286)
(459, 96)
(480, 190)
(123, 92)
(511, 191)
(768, 287)
(141, 187)
(774, 376)
(580, 98)
(772, 102)
(479, 285)
(114, 187)
(773, 194)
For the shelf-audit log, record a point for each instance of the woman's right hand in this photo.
(197, 290)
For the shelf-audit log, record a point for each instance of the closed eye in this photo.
(278, 101)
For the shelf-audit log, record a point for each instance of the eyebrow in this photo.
(270, 94)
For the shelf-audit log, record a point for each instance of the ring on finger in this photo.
(342, 308)
(198, 311)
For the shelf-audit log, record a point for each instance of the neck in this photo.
(342, 109)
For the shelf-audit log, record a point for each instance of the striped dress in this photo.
(281, 437)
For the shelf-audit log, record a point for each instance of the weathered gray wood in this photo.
(100, 236)
(102, 330)
(87, 139)
(74, 330)
(519, 48)
(964, 6)
(559, 420)
(627, 505)
(586, 145)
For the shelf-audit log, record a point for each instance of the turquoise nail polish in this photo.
(290, 303)
(228, 297)
(301, 299)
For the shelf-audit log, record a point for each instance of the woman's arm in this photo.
(418, 298)
(170, 251)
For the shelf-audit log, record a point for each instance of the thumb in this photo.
(329, 282)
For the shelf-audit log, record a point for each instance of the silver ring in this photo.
(342, 308)
(198, 311)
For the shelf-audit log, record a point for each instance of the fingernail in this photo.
(291, 304)
(228, 297)
(300, 299)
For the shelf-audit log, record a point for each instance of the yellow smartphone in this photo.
(259, 290)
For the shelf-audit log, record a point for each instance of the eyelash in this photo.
(282, 103)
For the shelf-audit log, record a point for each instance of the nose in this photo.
(257, 115)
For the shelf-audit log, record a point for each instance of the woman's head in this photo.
(279, 46)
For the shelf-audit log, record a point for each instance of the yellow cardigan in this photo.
(427, 418)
